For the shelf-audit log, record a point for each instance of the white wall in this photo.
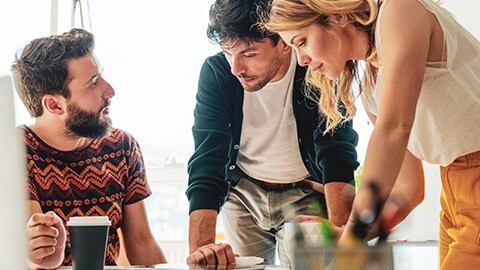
(12, 183)
(466, 12)
(423, 222)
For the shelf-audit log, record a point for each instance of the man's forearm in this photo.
(202, 228)
(339, 197)
(146, 253)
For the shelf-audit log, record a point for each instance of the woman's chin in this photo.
(331, 76)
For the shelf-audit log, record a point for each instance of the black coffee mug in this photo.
(88, 238)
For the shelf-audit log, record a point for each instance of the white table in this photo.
(183, 266)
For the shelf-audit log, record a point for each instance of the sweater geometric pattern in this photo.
(96, 180)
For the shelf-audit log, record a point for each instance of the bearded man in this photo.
(78, 165)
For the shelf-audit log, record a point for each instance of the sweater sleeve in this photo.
(207, 183)
(335, 152)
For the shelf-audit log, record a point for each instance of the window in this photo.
(151, 52)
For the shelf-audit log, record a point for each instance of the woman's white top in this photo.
(447, 119)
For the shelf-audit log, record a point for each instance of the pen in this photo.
(248, 261)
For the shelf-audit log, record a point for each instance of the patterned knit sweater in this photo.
(96, 180)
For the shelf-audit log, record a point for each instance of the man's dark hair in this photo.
(237, 20)
(41, 68)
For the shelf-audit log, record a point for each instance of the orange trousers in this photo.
(459, 245)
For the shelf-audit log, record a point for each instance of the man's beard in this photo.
(265, 77)
(81, 123)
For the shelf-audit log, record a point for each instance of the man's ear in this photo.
(340, 20)
(285, 47)
(54, 104)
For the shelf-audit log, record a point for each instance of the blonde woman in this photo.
(421, 88)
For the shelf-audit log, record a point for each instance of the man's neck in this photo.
(284, 67)
(54, 134)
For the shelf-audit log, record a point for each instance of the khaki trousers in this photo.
(254, 217)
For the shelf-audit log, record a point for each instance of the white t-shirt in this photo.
(269, 148)
(447, 119)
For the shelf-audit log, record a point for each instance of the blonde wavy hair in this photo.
(331, 95)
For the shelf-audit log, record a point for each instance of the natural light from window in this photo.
(151, 52)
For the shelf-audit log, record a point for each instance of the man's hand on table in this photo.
(46, 236)
(212, 254)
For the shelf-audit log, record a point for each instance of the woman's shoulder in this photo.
(407, 12)
(408, 25)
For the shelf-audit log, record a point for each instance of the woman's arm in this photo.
(405, 30)
(407, 192)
